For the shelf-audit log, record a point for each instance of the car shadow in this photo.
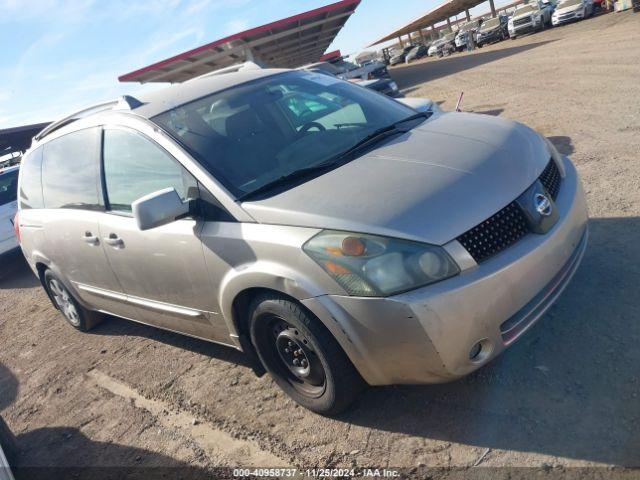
(414, 75)
(570, 387)
(15, 272)
(64, 452)
(8, 387)
(115, 326)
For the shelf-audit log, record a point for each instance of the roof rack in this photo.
(248, 65)
(126, 102)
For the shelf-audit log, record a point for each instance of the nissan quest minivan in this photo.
(339, 237)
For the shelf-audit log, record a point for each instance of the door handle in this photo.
(114, 241)
(90, 238)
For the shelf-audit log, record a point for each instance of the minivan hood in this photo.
(430, 184)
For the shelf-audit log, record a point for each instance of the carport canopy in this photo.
(446, 10)
(286, 43)
(18, 139)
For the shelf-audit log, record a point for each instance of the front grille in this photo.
(550, 178)
(508, 225)
(522, 21)
(496, 233)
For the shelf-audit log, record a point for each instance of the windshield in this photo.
(569, 3)
(251, 135)
(449, 37)
(8, 187)
(491, 23)
(524, 9)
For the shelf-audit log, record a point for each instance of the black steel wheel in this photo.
(302, 356)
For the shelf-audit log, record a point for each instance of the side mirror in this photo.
(159, 208)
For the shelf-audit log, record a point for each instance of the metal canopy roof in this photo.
(290, 42)
(18, 139)
(438, 14)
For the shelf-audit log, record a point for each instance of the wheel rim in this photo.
(63, 299)
(296, 358)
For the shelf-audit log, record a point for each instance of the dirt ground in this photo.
(565, 395)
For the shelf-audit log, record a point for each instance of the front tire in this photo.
(302, 356)
(77, 316)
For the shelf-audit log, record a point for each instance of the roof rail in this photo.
(248, 65)
(126, 102)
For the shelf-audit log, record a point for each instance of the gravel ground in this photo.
(565, 395)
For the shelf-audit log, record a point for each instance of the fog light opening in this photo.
(480, 351)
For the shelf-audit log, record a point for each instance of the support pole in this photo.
(400, 40)
(466, 12)
(449, 24)
(493, 9)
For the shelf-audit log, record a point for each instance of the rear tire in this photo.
(302, 356)
(76, 315)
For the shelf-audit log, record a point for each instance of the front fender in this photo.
(265, 275)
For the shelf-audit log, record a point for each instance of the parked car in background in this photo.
(8, 209)
(432, 51)
(447, 45)
(462, 37)
(366, 71)
(386, 86)
(493, 30)
(533, 16)
(416, 52)
(399, 56)
(349, 71)
(570, 10)
(303, 220)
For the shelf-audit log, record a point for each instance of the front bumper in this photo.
(489, 37)
(425, 336)
(523, 28)
(565, 18)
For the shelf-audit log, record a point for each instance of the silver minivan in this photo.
(340, 238)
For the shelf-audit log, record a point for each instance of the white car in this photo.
(533, 16)
(569, 10)
(8, 208)
(469, 28)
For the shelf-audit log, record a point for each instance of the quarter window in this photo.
(134, 166)
(31, 180)
(70, 171)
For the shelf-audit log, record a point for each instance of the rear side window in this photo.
(31, 180)
(70, 171)
(135, 166)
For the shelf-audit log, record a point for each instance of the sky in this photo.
(57, 56)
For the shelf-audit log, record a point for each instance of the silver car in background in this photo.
(338, 237)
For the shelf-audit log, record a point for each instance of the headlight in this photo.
(373, 266)
(394, 86)
(553, 151)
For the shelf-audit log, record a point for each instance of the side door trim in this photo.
(150, 304)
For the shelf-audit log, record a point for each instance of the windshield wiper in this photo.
(378, 135)
(336, 161)
(287, 179)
